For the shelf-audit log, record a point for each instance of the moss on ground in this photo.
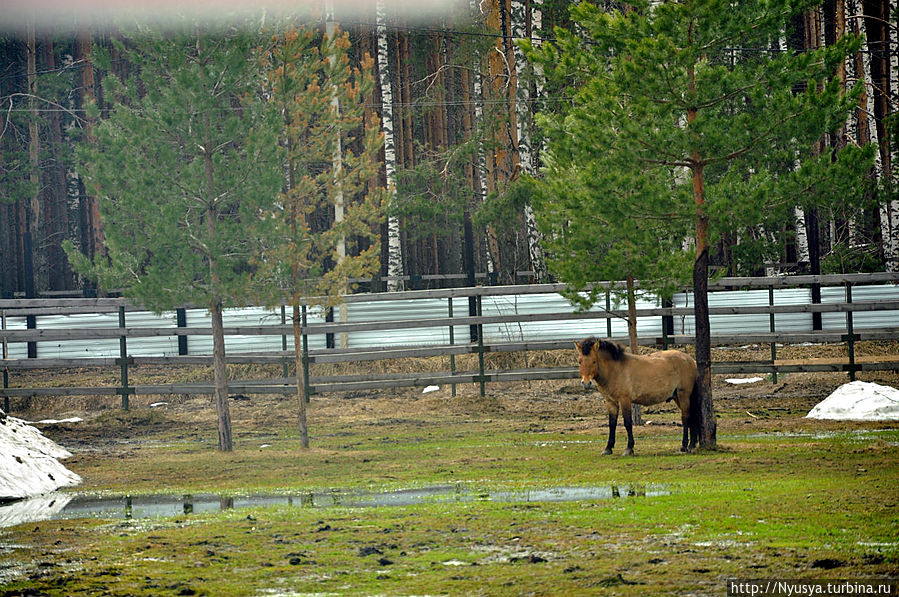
(783, 497)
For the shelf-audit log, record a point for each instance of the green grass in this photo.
(768, 504)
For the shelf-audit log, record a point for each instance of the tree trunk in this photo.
(220, 375)
(395, 257)
(92, 233)
(877, 29)
(56, 208)
(499, 157)
(404, 85)
(332, 29)
(33, 211)
(862, 132)
(636, 416)
(9, 265)
(802, 252)
(632, 314)
(522, 28)
(707, 424)
(301, 387)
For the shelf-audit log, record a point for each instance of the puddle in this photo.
(56, 506)
(852, 435)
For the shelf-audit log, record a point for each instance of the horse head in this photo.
(589, 358)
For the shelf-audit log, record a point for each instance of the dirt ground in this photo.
(782, 497)
(549, 405)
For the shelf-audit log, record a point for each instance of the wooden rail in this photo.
(481, 376)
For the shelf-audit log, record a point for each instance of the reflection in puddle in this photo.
(73, 505)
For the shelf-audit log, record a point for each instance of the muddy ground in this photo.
(782, 497)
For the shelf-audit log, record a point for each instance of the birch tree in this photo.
(526, 19)
(394, 245)
(878, 30)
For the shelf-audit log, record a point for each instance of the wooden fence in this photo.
(474, 341)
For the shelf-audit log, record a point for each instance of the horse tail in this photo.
(693, 415)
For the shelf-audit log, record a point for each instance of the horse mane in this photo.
(613, 349)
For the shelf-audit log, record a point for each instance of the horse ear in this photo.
(577, 345)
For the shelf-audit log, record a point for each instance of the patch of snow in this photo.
(859, 401)
(430, 389)
(55, 421)
(29, 464)
(155, 404)
(742, 380)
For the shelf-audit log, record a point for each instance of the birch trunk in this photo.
(481, 187)
(522, 27)
(803, 257)
(394, 247)
(859, 129)
(877, 30)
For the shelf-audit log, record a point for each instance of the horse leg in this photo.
(685, 421)
(613, 423)
(628, 425)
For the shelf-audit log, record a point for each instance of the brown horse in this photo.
(626, 379)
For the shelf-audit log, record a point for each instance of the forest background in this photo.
(456, 99)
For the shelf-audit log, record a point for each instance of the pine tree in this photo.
(680, 90)
(308, 255)
(184, 167)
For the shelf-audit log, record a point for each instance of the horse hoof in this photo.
(628, 452)
(607, 452)
(684, 449)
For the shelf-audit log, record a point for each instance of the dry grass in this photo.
(502, 361)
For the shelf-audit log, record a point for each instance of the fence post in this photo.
(123, 360)
(608, 311)
(850, 333)
(452, 341)
(329, 336)
(667, 323)
(284, 339)
(5, 356)
(31, 324)
(481, 350)
(472, 312)
(181, 322)
(771, 325)
(306, 388)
